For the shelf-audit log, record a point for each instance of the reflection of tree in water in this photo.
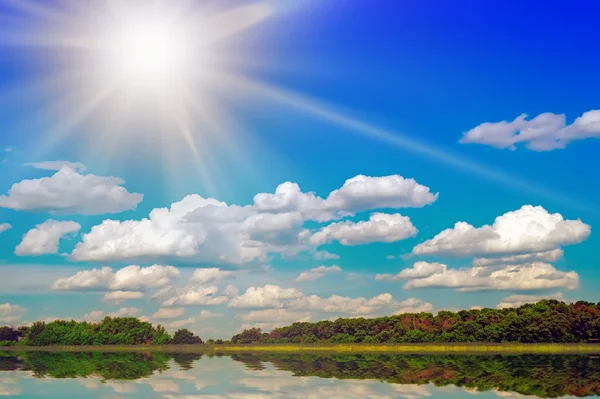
(185, 360)
(543, 376)
(10, 362)
(540, 375)
(109, 366)
(251, 361)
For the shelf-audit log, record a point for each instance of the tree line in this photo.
(547, 321)
(110, 331)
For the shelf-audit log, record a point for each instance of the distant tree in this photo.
(9, 334)
(249, 336)
(185, 337)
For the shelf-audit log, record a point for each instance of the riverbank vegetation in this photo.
(110, 331)
(547, 321)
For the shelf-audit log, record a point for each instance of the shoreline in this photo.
(428, 348)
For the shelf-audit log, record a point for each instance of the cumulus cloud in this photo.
(118, 297)
(325, 255)
(346, 305)
(514, 301)
(207, 314)
(545, 132)
(530, 276)
(412, 305)
(275, 315)
(317, 272)
(526, 230)
(294, 303)
(197, 296)
(358, 194)
(269, 296)
(177, 324)
(380, 227)
(419, 270)
(168, 313)
(44, 238)
(129, 278)
(67, 191)
(98, 315)
(547, 256)
(58, 165)
(4, 227)
(11, 314)
(208, 230)
(209, 275)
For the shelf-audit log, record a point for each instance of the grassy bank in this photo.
(427, 348)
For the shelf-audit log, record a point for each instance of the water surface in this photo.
(99, 375)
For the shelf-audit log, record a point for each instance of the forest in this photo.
(547, 321)
(110, 331)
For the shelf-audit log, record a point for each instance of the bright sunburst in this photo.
(134, 67)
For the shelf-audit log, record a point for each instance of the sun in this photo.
(150, 52)
(131, 67)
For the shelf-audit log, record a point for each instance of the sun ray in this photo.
(328, 113)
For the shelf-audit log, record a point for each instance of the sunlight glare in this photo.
(148, 52)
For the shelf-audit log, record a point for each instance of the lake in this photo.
(99, 375)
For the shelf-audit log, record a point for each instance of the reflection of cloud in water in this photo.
(9, 385)
(300, 377)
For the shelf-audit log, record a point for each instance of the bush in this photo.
(185, 337)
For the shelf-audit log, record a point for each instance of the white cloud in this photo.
(168, 313)
(44, 238)
(4, 227)
(419, 270)
(339, 304)
(231, 291)
(325, 255)
(197, 296)
(177, 324)
(125, 312)
(545, 132)
(514, 301)
(209, 275)
(274, 298)
(390, 257)
(380, 227)
(98, 315)
(129, 278)
(275, 315)
(207, 314)
(547, 256)
(358, 194)
(317, 272)
(412, 305)
(529, 229)
(269, 296)
(11, 314)
(208, 230)
(58, 165)
(118, 297)
(8, 149)
(531, 276)
(94, 316)
(67, 191)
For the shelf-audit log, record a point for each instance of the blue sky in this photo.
(314, 94)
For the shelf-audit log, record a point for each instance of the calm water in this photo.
(262, 376)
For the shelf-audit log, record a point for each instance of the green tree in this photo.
(185, 337)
